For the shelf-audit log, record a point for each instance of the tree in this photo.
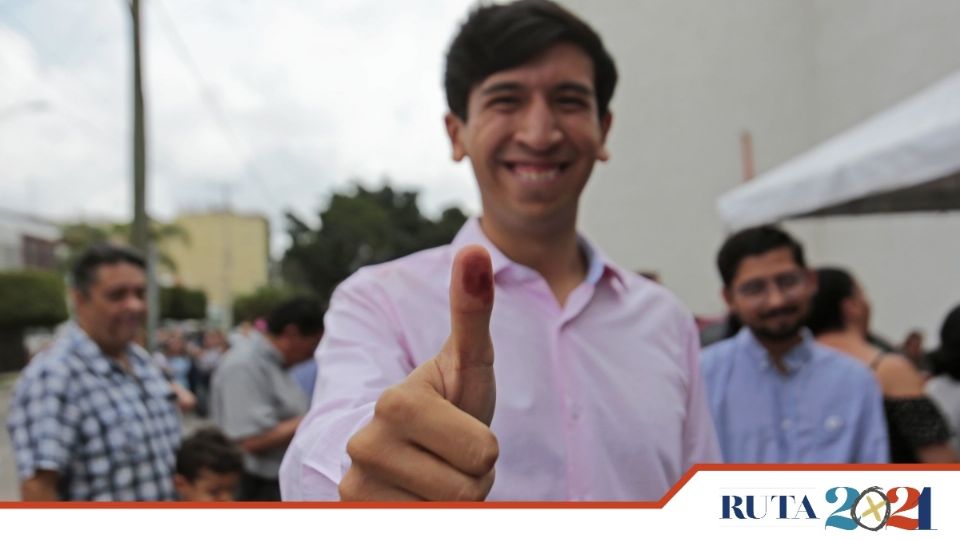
(261, 302)
(77, 237)
(179, 303)
(361, 228)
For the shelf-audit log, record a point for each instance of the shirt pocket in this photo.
(121, 436)
(831, 429)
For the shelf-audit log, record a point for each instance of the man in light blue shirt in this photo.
(776, 395)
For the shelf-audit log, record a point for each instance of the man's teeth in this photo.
(536, 174)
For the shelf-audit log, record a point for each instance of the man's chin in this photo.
(780, 333)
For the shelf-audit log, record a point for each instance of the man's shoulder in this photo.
(413, 274)
(60, 360)
(240, 359)
(841, 364)
(722, 349)
(653, 299)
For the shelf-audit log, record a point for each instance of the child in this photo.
(209, 467)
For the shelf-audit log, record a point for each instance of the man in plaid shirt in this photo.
(92, 418)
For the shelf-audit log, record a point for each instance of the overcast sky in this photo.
(294, 99)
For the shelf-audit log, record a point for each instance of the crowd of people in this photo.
(519, 362)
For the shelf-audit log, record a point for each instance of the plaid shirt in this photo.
(111, 435)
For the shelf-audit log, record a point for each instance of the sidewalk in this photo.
(9, 490)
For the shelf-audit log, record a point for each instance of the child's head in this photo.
(209, 467)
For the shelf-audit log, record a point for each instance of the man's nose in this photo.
(775, 297)
(538, 128)
(135, 303)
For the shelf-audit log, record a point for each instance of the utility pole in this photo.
(140, 236)
(227, 238)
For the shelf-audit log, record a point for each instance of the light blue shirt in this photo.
(827, 408)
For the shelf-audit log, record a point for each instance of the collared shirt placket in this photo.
(575, 425)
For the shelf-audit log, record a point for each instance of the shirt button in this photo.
(833, 423)
(786, 423)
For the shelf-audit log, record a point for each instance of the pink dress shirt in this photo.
(599, 399)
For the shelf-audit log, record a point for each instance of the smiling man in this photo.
(92, 418)
(595, 393)
(776, 395)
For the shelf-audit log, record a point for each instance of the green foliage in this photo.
(32, 298)
(260, 302)
(366, 227)
(180, 303)
(77, 237)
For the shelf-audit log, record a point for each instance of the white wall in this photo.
(13, 226)
(694, 74)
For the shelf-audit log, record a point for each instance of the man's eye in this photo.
(753, 287)
(503, 101)
(573, 103)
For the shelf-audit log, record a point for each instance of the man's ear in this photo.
(77, 297)
(605, 124)
(813, 279)
(455, 127)
(727, 295)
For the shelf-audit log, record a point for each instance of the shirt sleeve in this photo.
(43, 422)
(362, 354)
(875, 442)
(245, 406)
(699, 434)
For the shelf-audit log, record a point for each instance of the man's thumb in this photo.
(466, 361)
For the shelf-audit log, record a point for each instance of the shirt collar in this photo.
(599, 266)
(794, 360)
(262, 344)
(88, 350)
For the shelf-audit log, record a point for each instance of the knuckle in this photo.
(395, 405)
(484, 453)
(471, 491)
(361, 445)
(349, 488)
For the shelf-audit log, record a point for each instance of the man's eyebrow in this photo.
(574, 87)
(496, 88)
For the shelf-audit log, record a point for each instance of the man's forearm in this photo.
(40, 487)
(277, 437)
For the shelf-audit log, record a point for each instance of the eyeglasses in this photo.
(788, 283)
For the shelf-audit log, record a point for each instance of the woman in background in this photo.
(840, 319)
(944, 387)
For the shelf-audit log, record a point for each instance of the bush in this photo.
(31, 298)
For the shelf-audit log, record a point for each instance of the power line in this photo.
(212, 105)
(84, 85)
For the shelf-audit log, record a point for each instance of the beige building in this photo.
(695, 74)
(226, 254)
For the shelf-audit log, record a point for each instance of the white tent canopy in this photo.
(905, 159)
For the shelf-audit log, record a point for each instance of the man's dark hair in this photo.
(208, 448)
(84, 271)
(499, 37)
(826, 312)
(304, 312)
(752, 242)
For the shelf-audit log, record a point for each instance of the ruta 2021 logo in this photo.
(844, 507)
